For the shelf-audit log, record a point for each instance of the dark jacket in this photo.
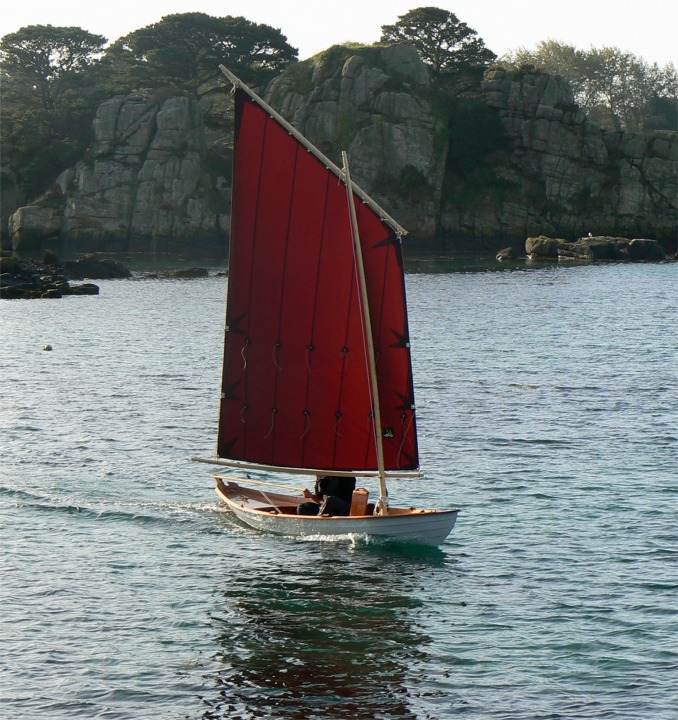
(341, 487)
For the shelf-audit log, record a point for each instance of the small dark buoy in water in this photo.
(47, 347)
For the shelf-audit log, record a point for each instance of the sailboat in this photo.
(317, 372)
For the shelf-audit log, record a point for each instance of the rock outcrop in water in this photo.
(595, 248)
(149, 182)
(53, 279)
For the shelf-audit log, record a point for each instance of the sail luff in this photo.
(369, 339)
(312, 148)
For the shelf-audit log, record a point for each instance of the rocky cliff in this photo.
(564, 175)
(148, 183)
(376, 105)
(143, 187)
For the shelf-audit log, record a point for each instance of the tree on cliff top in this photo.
(186, 49)
(617, 89)
(49, 98)
(40, 63)
(443, 42)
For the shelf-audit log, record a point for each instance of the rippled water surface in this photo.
(548, 411)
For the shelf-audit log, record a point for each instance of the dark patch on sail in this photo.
(393, 241)
(388, 240)
(235, 322)
(227, 447)
(407, 400)
(409, 463)
(229, 392)
(402, 340)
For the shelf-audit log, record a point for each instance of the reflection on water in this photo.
(333, 635)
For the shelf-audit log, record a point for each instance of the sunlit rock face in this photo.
(156, 177)
(142, 186)
(376, 105)
(566, 175)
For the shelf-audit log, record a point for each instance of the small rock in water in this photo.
(193, 272)
(47, 347)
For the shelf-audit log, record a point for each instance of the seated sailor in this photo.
(332, 496)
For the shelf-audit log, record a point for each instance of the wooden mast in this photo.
(382, 504)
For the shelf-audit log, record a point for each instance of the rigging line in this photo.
(373, 433)
(382, 503)
(242, 354)
(405, 430)
(363, 334)
(211, 353)
(370, 390)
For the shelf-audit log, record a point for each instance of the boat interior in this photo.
(275, 503)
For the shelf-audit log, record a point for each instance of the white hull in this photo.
(276, 513)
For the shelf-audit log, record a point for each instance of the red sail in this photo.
(296, 386)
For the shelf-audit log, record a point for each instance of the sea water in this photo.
(548, 412)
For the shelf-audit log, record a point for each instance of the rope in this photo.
(308, 425)
(268, 434)
(275, 362)
(336, 427)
